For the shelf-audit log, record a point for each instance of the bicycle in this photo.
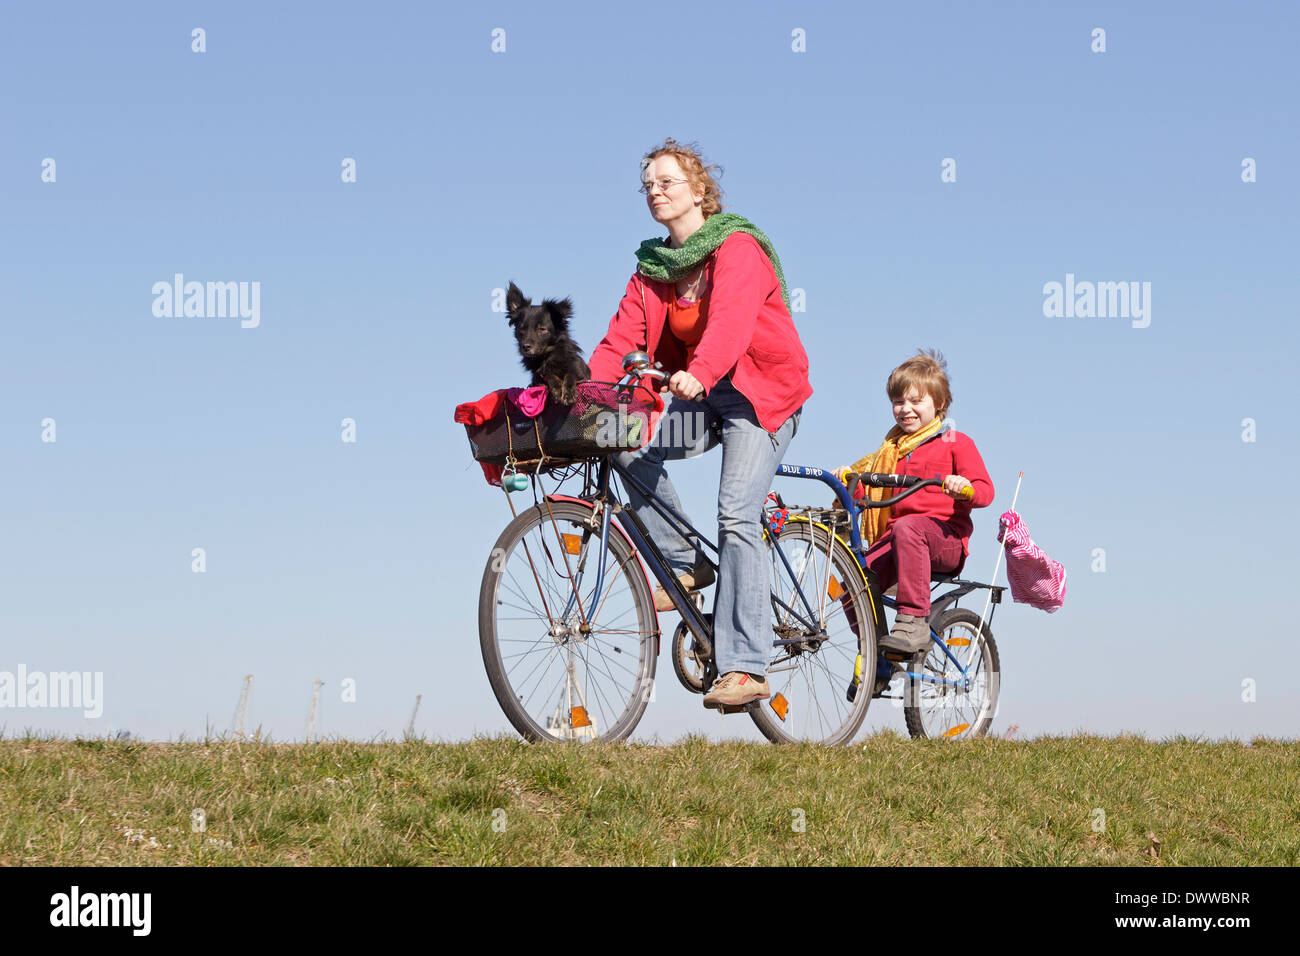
(578, 659)
(960, 672)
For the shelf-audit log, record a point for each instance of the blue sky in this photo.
(362, 560)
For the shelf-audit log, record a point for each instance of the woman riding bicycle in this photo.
(710, 304)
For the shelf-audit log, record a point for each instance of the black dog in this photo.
(545, 347)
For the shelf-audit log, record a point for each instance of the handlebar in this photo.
(844, 490)
(636, 366)
(877, 479)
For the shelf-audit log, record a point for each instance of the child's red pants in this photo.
(911, 549)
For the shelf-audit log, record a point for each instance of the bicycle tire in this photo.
(808, 697)
(924, 703)
(511, 579)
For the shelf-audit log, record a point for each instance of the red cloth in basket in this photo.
(476, 413)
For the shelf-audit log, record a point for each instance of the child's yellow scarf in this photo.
(895, 446)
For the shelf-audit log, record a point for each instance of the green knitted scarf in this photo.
(658, 261)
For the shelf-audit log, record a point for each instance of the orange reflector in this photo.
(780, 705)
(958, 642)
(954, 731)
(834, 589)
(578, 716)
(573, 543)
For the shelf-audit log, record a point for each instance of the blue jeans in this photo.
(742, 610)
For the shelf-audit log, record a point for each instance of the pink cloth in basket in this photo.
(531, 401)
(1035, 578)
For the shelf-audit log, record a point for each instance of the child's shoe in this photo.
(910, 635)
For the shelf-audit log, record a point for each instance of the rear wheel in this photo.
(566, 660)
(821, 610)
(955, 695)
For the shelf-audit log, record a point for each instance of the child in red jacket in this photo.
(929, 531)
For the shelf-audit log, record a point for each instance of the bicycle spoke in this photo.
(543, 662)
(529, 696)
(817, 663)
(523, 595)
(815, 699)
(607, 661)
(602, 700)
(535, 644)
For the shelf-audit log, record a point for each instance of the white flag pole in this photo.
(998, 564)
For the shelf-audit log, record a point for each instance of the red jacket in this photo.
(949, 453)
(749, 333)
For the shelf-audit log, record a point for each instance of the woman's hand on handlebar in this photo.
(684, 385)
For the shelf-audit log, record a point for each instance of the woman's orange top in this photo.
(686, 321)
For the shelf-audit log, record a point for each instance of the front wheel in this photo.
(568, 657)
(954, 693)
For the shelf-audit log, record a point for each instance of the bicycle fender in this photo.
(941, 604)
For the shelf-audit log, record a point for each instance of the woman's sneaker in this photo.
(701, 577)
(736, 689)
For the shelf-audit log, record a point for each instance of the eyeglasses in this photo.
(663, 185)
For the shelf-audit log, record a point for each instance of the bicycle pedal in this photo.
(733, 708)
(698, 598)
(898, 657)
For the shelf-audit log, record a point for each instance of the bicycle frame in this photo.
(694, 619)
(654, 559)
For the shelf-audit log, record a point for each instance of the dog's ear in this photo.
(515, 300)
(560, 310)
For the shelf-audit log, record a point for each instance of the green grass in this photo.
(886, 800)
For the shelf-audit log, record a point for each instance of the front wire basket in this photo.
(604, 419)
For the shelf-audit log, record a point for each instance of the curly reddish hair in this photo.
(697, 173)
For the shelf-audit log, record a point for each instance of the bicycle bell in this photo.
(632, 359)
